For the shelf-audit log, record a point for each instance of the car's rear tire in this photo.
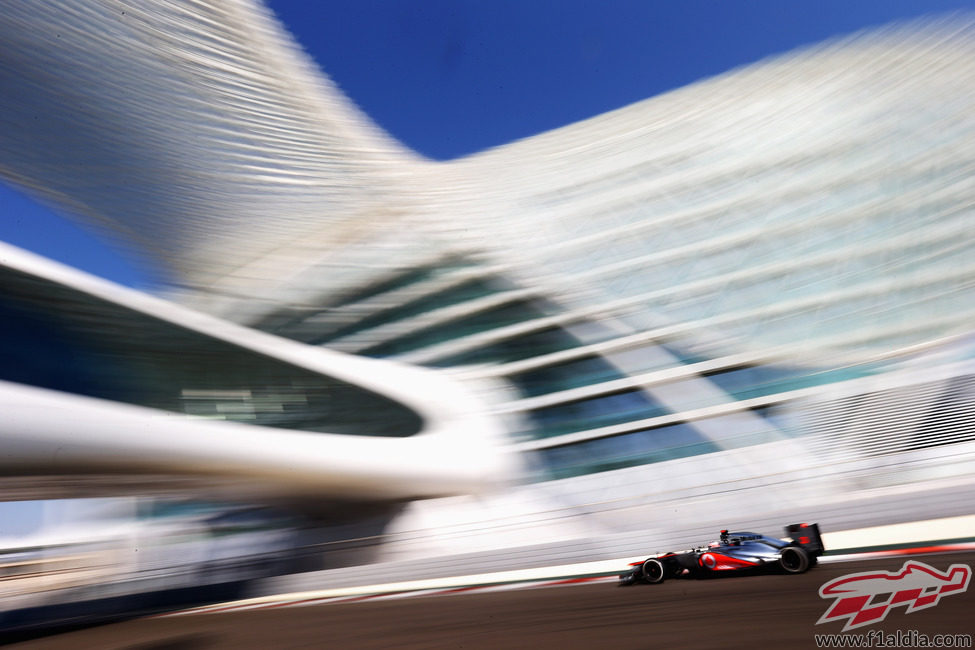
(794, 559)
(654, 571)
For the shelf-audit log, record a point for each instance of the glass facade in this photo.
(629, 450)
(476, 323)
(547, 340)
(59, 338)
(647, 285)
(601, 394)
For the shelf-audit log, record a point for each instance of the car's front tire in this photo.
(654, 571)
(794, 559)
(627, 579)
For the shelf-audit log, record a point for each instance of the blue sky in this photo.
(451, 77)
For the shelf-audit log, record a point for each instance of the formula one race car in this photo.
(734, 553)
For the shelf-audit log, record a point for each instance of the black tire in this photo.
(627, 579)
(654, 571)
(794, 559)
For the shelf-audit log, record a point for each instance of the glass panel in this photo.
(514, 349)
(484, 321)
(551, 379)
(594, 413)
(289, 323)
(461, 293)
(758, 381)
(638, 448)
(411, 277)
(58, 338)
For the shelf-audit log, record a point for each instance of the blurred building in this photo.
(758, 289)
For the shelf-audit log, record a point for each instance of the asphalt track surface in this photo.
(734, 612)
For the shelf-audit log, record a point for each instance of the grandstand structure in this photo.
(755, 289)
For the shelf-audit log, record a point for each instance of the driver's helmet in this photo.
(724, 536)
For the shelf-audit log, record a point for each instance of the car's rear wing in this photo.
(806, 536)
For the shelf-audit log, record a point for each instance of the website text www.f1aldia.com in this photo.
(897, 639)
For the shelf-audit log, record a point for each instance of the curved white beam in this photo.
(45, 431)
(458, 449)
